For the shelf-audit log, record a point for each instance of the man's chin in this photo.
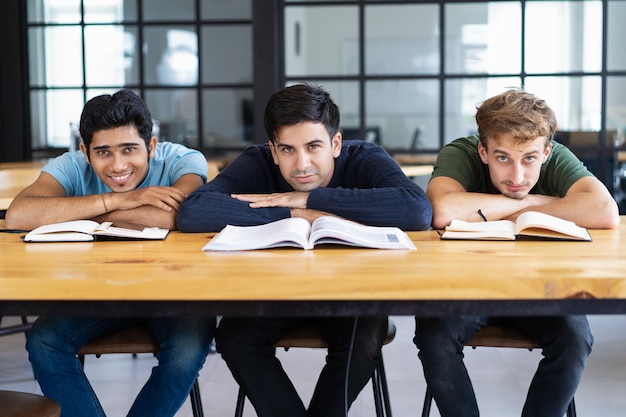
(516, 196)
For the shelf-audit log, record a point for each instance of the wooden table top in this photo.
(177, 269)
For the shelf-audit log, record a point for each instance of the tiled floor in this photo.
(500, 376)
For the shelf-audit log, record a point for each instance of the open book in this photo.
(88, 230)
(298, 232)
(529, 223)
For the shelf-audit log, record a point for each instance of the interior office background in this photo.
(406, 74)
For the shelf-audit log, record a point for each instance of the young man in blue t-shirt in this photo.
(120, 174)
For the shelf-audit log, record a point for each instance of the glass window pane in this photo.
(616, 109)
(227, 118)
(176, 112)
(171, 55)
(226, 61)
(110, 11)
(409, 46)
(220, 9)
(463, 96)
(616, 33)
(321, 40)
(55, 56)
(405, 112)
(575, 29)
(575, 100)
(53, 11)
(168, 10)
(52, 112)
(483, 38)
(111, 55)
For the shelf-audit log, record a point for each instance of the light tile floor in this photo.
(500, 376)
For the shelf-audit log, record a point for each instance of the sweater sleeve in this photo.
(374, 191)
(210, 208)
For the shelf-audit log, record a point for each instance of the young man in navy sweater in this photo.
(304, 171)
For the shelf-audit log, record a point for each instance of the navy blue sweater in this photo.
(367, 186)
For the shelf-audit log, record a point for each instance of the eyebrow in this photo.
(121, 145)
(284, 145)
(501, 152)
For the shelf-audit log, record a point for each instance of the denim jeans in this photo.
(247, 346)
(53, 344)
(565, 341)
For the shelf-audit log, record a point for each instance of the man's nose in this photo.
(517, 176)
(303, 161)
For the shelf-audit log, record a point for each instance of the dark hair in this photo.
(124, 108)
(517, 112)
(300, 103)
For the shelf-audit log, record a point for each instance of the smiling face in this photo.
(305, 155)
(514, 166)
(119, 157)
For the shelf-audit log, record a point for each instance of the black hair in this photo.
(300, 103)
(124, 108)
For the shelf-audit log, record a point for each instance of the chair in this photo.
(308, 336)
(136, 339)
(22, 404)
(498, 336)
(15, 328)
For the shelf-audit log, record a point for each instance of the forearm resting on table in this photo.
(308, 214)
(29, 212)
(144, 216)
(463, 205)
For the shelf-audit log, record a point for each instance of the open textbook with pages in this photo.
(89, 230)
(298, 232)
(530, 223)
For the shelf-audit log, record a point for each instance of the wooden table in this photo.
(174, 277)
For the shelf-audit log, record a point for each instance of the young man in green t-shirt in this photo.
(514, 165)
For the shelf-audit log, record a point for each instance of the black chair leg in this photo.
(378, 403)
(571, 409)
(382, 375)
(428, 400)
(241, 399)
(196, 400)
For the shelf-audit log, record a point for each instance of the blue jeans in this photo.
(53, 344)
(565, 341)
(247, 346)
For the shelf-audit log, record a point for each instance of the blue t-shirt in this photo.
(170, 162)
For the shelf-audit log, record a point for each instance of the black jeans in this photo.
(565, 341)
(247, 346)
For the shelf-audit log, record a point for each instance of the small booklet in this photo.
(529, 223)
(89, 230)
(298, 232)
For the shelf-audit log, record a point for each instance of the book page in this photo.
(293, 231)
(534, 223)
(107, 229)
(490, 226)
(330, 229)
(76, 230)
(491, 230)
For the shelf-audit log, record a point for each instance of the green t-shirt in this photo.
(460, 161)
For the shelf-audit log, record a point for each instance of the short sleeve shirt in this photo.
(170, 162)
(460, 161)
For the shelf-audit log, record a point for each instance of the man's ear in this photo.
(547, 152)
(85, 151)
(336, 144)
(273, 150)
(152, 146)
(482, 152)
